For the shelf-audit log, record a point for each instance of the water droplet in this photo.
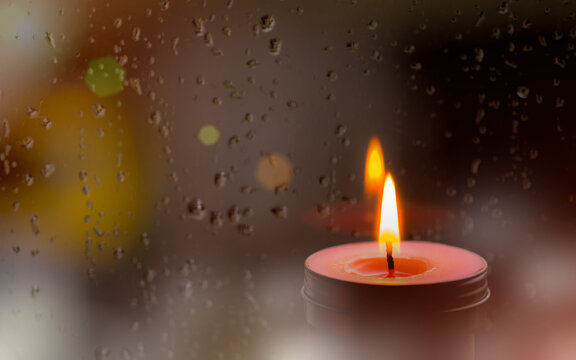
(99, 110)
(479, 54)
(83, 175)
(16, 206)
(197, 209)
(16, 249)
(145, 239)
(280, 211)
(234, 140)
(324, 180)
(48, 169)
(416, 66)
(451, 191)
(28, 179)
(208, 39)
(245, 229)
(27, 143)
(234, 214)
(352, 45)
(50, 39)
(372, 24)
(341, 130)
(332, 75)
(503, 7)
(267, 23)
(523, 92)
(31, 112)
(247, 212)
(121, 176)
(86, 190)
(46, 123)
(252, 63)
(248, 118)
(118, 254)
(155, 118)
(164, 130)
(216, 219)
(5, 128)
(186, 289)
(34, 223)
(199, 26)
(275, 46)
(98, 232)
(220, 179)
(292, 104)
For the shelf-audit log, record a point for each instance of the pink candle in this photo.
(428, 307)
(416, 263)
(392, 299)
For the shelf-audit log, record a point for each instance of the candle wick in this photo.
(389, 258)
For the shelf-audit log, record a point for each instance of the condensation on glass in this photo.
(166, 166)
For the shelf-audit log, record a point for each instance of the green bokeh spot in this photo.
(105, 76)
(208, 135)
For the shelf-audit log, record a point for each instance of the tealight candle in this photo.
(427, 308)
(391, 299)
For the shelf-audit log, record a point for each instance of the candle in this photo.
(393, 299)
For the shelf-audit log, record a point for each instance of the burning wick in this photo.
(389, 258)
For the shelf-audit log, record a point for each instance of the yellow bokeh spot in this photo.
(274, 171)
(209, 135)
(105, 76)
(90, 186)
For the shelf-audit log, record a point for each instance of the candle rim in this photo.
(483, 269)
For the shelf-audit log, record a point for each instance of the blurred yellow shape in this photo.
(274, 171)
(92, 199)
(105, 76)
(208, 135)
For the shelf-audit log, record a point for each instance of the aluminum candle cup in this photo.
(429, 308)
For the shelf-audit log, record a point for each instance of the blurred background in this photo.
(167, 166)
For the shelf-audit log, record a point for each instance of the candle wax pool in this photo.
(416, 263)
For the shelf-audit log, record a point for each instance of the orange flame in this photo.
(381, 186)
(389, 229)
(374, 171)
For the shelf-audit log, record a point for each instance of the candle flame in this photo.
(389, 229)
(379, 185)
(374, 171)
